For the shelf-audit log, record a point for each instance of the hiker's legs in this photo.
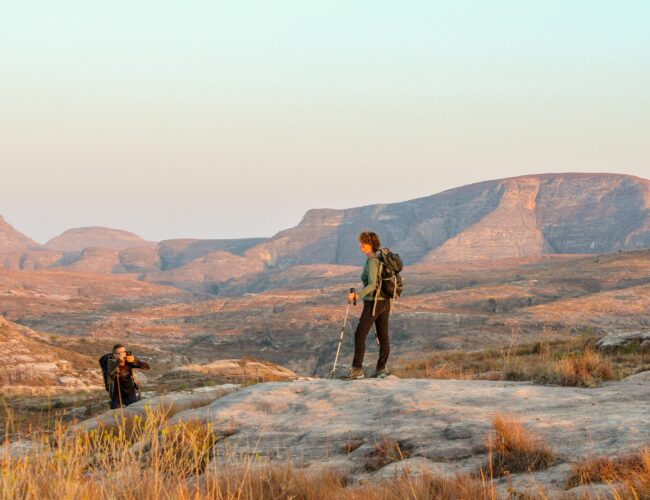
(360, 334)
(127, 399)
(131, 398)
(381, 323)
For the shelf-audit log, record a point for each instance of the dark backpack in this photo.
(108, 383)
(103, 363)
(391, 267)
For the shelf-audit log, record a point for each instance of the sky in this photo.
(214, 119)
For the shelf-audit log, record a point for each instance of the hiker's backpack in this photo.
(391, 267)
(103, 363)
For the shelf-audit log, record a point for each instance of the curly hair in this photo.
(370, 238)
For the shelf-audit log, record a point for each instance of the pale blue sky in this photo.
(229, 119)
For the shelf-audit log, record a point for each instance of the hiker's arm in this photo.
(143, 365)
(373, 270)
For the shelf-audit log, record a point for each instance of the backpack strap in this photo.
(378, 290)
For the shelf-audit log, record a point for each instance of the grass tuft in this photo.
(628, 473)
(566, 362)
(513, 449)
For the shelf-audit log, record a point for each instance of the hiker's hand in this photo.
(131, 358)
(352, 297)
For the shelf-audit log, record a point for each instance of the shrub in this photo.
(513, 449)
(149, 458)
(630, 472)
(580, 369)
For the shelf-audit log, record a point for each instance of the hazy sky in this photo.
(230, 119)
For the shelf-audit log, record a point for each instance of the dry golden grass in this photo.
(569, 362)
(512, 449)
(629, 473)
(152, 459)
(587, 369)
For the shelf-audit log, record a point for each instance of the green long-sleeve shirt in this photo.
(369, 278)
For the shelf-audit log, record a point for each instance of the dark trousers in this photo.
(127, 399)
(380, 319)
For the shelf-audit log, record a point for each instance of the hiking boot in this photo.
(382, 373)
(355, 374)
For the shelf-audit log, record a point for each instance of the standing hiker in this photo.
(376, 310)
(117, 368)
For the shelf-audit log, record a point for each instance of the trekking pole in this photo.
(345, 320)
(119, 393)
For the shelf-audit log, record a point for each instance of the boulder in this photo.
(639, 340)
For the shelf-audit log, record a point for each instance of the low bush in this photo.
(513, 449)
(628, 473)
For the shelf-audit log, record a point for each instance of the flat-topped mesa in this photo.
(528, 216)
(77, 239)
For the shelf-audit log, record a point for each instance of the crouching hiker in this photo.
(117, 368)
(382, 284)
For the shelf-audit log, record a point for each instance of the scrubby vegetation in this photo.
(149, 458)
(628, 473)
(570, 362)
(513, 449)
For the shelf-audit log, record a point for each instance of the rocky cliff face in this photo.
(517, 217)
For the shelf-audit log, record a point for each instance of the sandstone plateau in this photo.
(528, 216)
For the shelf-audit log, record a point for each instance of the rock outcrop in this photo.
(440, 426)
(36, 365)
(637, 341)
(443, 421)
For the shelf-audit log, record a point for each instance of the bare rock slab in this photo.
(337, 423)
